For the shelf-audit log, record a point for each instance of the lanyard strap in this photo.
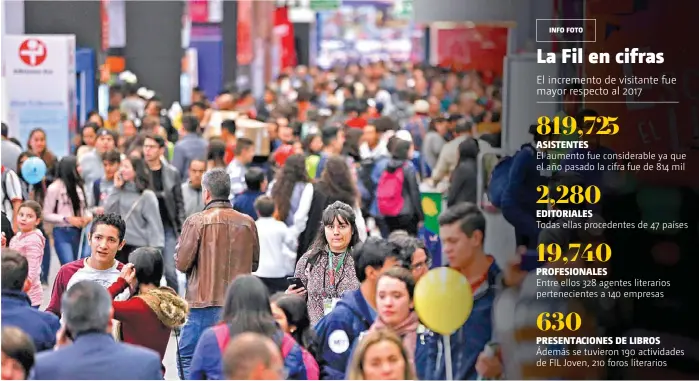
(340, 262)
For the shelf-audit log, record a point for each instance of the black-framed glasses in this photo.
(426, 264)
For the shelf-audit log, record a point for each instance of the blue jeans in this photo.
(199, 320)
(46, 261)
(66, 241)
(86, 242)
(169, 258)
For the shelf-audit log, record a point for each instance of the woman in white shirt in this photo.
(290, 188)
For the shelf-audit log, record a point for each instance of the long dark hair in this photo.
(296, 312)
(307, 143)
(337, 183)
(68, 174)
(216, 153)
(47, 156)
(294, 171)
(89, 125)
(143, 177)
(336, 211)
(247, 307)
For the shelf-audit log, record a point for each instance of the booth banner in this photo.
(245, 42)
(104, 22)
(465, 47)
(40, 81)
(198, 10)
(285, 30)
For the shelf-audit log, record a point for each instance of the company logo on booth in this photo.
(32, 52)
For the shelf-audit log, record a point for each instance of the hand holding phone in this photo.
(296, 282)
(295, 286)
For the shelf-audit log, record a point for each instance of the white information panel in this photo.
(39, 79)
(521, 105)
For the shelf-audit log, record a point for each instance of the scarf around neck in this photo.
(407, 330)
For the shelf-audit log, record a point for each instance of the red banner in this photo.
(284, 29)
(199, 11)
(480, 48)
(104, 19)
(245, 51)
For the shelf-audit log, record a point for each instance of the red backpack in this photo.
(389, 192)
(312, 370)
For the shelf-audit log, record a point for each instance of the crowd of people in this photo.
(299, 264)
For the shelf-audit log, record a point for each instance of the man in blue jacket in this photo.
(356, 311)
(16, 308)
(462, 230)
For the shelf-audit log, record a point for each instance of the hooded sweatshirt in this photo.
(147, 319)
(464, 178)
(338, 330)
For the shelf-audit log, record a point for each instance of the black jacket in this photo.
(172, 193)
(464, 178)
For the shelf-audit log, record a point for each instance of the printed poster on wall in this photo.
(469, 47)
(245, 48)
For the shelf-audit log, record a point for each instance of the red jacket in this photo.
(140, 324)
(356, 123)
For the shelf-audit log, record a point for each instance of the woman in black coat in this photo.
(464, 178)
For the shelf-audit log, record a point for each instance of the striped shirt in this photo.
(13, 187)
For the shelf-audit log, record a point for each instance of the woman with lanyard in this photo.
(327, 269)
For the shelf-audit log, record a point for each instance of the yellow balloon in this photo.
(443, 300)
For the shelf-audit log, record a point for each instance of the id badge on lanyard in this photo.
(331, 299)
(329, 305)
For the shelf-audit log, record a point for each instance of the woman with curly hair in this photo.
(336, 183)
(292, 193)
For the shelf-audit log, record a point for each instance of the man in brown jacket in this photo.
(216, 245)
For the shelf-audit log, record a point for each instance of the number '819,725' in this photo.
(567, 125)
(569, 195)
